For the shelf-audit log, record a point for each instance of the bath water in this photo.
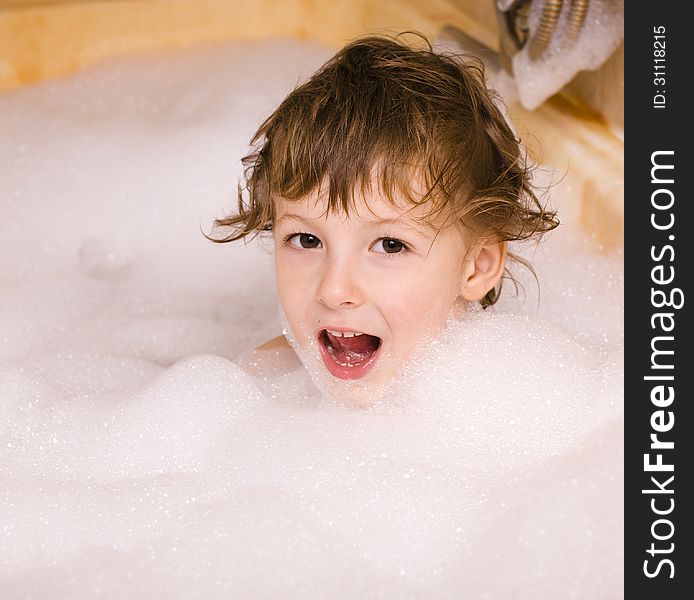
(137, 457)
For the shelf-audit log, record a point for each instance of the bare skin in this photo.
(277, 343)
(271, 359)
(384, 270)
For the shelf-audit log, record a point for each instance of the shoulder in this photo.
(277, 343)
(271, 359)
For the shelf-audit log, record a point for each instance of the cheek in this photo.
(285, 284)
(291, 289)
(296, 291)
(421, 305)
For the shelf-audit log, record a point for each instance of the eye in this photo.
(303, 240)
(389, 246)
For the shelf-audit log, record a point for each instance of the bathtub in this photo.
(139, 459)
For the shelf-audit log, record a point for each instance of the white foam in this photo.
(138, 459)
(539, 78)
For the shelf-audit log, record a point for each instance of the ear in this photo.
(482, 270)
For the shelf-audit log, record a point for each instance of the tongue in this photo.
(355, 349)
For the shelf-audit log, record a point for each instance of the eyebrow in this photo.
(286, 216)
(373, 223)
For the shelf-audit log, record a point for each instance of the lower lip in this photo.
(341, 372)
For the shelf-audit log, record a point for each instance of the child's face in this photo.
(380, 273)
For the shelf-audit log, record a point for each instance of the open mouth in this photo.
(348, 354)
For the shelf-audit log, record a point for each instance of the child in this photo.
(391, 184)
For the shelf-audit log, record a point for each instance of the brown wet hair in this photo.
(384, 111)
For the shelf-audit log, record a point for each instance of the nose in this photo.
(339, 285)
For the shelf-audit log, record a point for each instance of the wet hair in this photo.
(387, 112)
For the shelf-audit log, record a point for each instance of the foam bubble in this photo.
(538, 78)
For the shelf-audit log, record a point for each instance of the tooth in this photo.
(344, 333)
(350, 365)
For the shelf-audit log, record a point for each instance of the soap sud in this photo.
(602, 32)
(139, 459)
